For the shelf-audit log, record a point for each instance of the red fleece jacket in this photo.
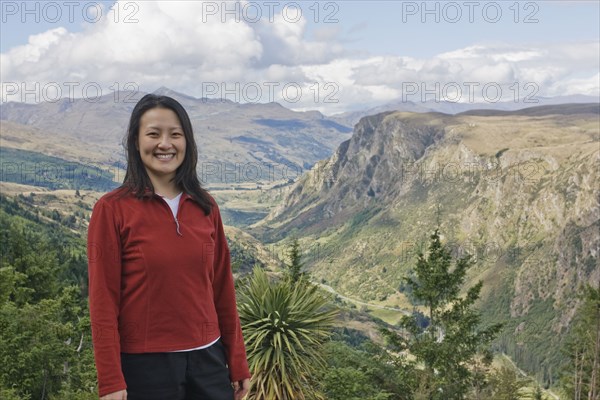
(159, 284)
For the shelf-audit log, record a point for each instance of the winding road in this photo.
(362, 303)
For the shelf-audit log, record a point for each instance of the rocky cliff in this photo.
(518, 190)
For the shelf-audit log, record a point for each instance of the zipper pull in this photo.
(177, 223)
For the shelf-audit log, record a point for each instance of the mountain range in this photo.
(238, 143)
(516, 189)
(350, 118)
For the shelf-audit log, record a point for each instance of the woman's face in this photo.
(161, 143)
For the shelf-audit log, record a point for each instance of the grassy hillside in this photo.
(519, 192)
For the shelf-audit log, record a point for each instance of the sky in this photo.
(331, 56)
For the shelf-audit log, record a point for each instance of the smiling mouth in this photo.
(165, 156)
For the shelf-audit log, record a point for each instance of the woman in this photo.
(162, 301)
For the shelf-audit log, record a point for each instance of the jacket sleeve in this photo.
(225, 304)
(104, 274)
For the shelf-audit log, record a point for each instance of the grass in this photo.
(551, 135)
(245, 207)
(389, 316)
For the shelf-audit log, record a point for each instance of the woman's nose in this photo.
(165, 141)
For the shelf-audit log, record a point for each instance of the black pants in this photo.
(189, 375)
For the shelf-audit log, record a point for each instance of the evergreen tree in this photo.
(538, 394)
(480, 369)
(294, 268)
(453, 338)
(365, 371)
(507, 385)
(45, 335)
(580, 376)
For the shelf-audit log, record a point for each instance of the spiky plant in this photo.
(285, 325)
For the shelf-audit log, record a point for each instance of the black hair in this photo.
(137, 179)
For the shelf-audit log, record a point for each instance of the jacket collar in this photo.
(184, 196)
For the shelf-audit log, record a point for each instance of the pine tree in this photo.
(294, 268)
(45, 335)
(507, 385)
(580, 376)
(538, 394)
(453, 337)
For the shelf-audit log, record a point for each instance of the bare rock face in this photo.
(374, 163)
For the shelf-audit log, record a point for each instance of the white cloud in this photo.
(590, 86)
(553, 70)
(177, 44)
